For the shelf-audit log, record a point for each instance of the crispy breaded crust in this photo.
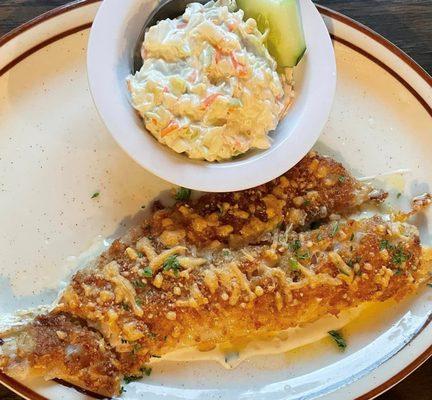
(312, 190)
(157, 289)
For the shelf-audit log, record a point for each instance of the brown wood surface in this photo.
(408, 24)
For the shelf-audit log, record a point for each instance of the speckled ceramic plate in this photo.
(55, 153)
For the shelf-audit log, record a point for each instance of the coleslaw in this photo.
(208, 86)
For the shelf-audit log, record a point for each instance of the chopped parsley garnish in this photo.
(126, 307)
(132, 378)
(296, 245)
(303, 256)
(152, 335)
(398, 195)
(339, 340)
(183, 194)
(430, 285)
(352, 237)
(399, 256)
(155, 356)
(226, 252)
(342, 178)
(398, 272)
(335, 229)
(146, 371)
(385, 244)
(143, 206)
(138, 283)
(123, 341)
(172, 264)
(320, 236)
(147, 272)
(294, 264)
(306, 202)
(95, 194)
(122, 390)
(138, 301)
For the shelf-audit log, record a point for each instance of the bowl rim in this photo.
(249, 171)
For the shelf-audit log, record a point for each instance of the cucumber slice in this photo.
(285, 41)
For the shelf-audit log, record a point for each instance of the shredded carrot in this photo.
(218, 55)
(171, 127)
(238, 66)
(210, 99)
(231, 26)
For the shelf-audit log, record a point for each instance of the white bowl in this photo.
(112, 40)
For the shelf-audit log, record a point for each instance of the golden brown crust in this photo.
(273, 286)
(61, 346)
(311, 191)
(173, 283)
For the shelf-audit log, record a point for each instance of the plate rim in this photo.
(28, 393)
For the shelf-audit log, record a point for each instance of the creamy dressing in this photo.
(208, 86)
(231, 355)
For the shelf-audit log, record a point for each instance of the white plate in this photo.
(114, 34)
(55, 153)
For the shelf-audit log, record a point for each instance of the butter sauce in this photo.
(231, 355)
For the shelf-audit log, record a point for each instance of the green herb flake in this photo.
(429, 285)
(183, 194)
(398, 272)
(124, 341)
(339, 340)
(296, 245)
(303, 256)
(122, 390)
(95, 194)
(335, 229)
(294, 264)
(126, 307)
(131, 378)
(146, 370)
(352, 237)
(152, 335)
(399, 256)
(398, 195)
(306, 202)
(143, 206)
(155, 356)
(384, 244)
(342, 178)
(172, 264)
(138, 301)
(320, 236)
(138, 283)
(147, 272)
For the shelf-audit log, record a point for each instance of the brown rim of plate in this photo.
(28, 393)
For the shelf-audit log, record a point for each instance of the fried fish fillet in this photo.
(311, 191)
(159, 288)
(114, 316)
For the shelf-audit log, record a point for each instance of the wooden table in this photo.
(408, 24)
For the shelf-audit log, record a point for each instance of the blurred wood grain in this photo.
(408, 24)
